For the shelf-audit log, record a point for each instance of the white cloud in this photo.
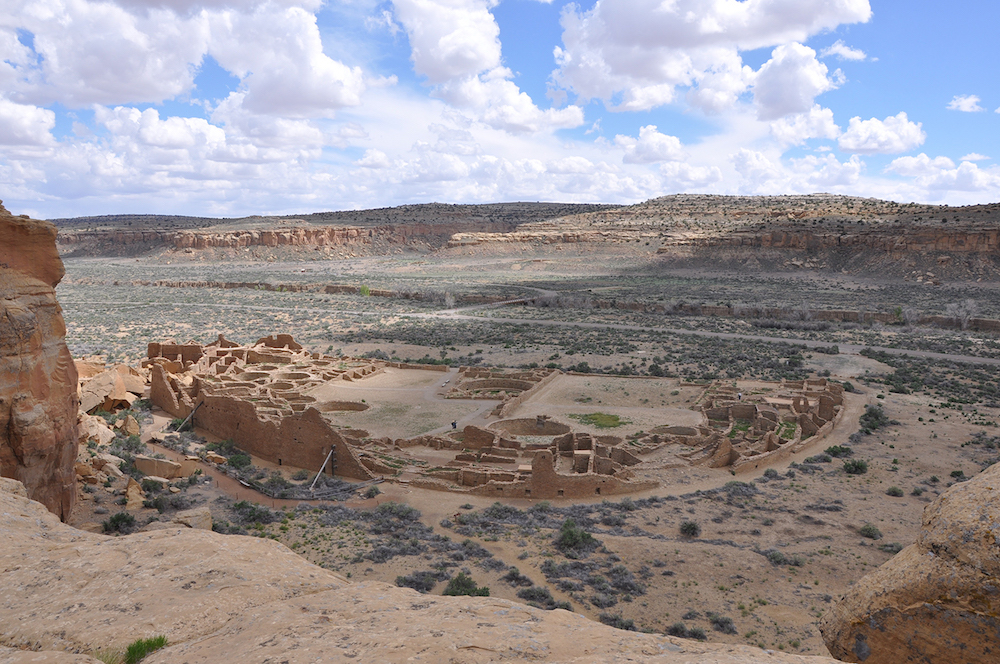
(893, 135)
(843, 52)
(974, 156)
(683, 177)
(920, 165)
(374, 159)
(826, 172)
(634, 54)
(966, 104)
(797, 129)
(789, 82)
(25, 125)
(282, 75)
(450, 38)
(650, 147)
(940, 175)
(456, 45)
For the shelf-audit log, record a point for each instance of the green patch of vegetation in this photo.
(870, 531)
(575, 542)
(465, 585)
(690, 529)
(136, 651)
(740, 426)
(122, 522)
(601, 420)
(855, 466)
(894, 491)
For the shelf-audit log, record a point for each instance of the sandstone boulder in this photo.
(105, 391)
(938, 600)
(200, 517)
(38, 397)
(131, 427)
(158, 467)
(247, 599)
(134, 495)
(95, 429)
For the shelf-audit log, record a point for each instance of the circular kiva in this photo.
(529, 427)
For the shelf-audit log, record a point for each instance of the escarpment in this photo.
(38, 381)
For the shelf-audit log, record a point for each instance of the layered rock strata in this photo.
(247, 599)
(38, 380)
(938, 600)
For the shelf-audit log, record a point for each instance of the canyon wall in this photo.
(38, 380)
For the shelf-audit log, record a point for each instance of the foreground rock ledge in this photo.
(243, 599)
(38, 400)
(938, 600)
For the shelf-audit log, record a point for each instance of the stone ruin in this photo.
(256, 395)
(511, 388)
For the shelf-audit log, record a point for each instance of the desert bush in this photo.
(422, 582)
(465, 585)
(870, 531)
(680, 630)
(690, 529)
(894, 491)
(722, 624)
(301, 475)
(778, 558)
(515, 578)
(240, 461)
(372, 491)
(855, 466)
(617, 621)
(839, 451)
(893, 548)
(245, 513)
(575, 542)
(873, 418)
(536, 595)
(122, 522)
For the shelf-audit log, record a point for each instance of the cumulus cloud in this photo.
(920, 165)
(680, 176)
(650, 147)
(789, 82)
(25, 125)
(893, 135)
(941, 175)
(974, 156)
(842, 51)
(966, 104)
(88, 53)
(797, 129)
(826, 172)
(455, 44)
(634, 54)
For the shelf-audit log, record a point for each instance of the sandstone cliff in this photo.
(246, 599)
(38, 398)
(938, 600)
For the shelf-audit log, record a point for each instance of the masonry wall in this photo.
(301, 439)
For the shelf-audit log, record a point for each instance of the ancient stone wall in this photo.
(301, 439)
(38, 380)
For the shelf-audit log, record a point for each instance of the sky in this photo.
(233, 107)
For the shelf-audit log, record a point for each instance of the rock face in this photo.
(38, 398)
(246, 599)
(938, 600)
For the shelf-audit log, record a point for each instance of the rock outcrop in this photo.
(938, 600)
(246, 599)
(38, 380)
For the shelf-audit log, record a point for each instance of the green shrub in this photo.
(855, 466)
(690, 529)
(372, 491)
(240, 461)
(874, 418)
(894, 491)
(870, 531)
(122, 522)
(139, 648)
(573, 541)
(616, 621)
(839, 451)
(465, 585)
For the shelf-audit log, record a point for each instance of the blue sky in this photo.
(234, 107)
